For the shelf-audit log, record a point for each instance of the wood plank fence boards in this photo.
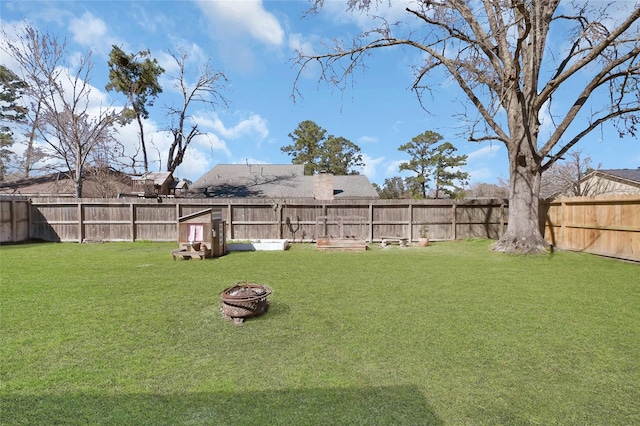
(64, 219)
(606, 226)
(14, 219)
(602, 225)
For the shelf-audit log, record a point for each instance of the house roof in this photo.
(52, 183)
(631, 175)
(158, 178)
(626, 176)
(273, 181)
(60, 184)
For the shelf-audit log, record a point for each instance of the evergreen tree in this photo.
(135, 76)
(433, 162)
(339, 155)
(393, 188)
(11, 112)
(447, 176)
(321, 153)
(421, 149)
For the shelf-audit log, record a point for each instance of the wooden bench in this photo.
(403, 241)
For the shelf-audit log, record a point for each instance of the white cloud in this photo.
(249, 160)
(237, 18)
(305, 44)
(148, 19)
(390, 11)
(195, 164)
(253, 125)
(92, 32)
(485, 152)
(299, 42)
(367, 139)
(212, 142)
(393, 168)
(236, 26)
(87, 29)
(483, 174)
(370, 166)
(170, 66)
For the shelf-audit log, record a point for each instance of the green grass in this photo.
(450, 334)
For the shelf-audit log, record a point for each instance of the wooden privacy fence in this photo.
(604, 226)
(15, 215)
(60, 219)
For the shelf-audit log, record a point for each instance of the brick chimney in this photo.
(323, 186)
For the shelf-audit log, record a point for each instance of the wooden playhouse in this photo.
(201, 235)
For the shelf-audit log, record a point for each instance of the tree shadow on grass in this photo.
(397, 405)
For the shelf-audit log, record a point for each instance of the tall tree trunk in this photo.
(77, 174)
(523, 230)
(142, 144)
(138, 114)
(77, 180)
(28, 155)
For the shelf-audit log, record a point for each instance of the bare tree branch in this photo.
(206, 90)
(498, 52)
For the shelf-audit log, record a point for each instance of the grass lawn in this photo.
(453, 333)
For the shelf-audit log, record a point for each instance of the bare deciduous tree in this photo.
(563, 177)
(205, 90)
(66, 117)
(500, 55)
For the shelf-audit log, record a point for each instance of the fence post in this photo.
(454, 223)
(14, 221)
(563, 227)
(80, 221)
(230, 232)
(410, 207)
(279, 221)
(132, 217)
(370, 222)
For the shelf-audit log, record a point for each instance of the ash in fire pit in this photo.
(244, 300)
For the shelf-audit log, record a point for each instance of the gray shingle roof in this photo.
(628, 174)
(273, 181)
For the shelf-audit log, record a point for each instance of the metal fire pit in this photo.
(244, 300)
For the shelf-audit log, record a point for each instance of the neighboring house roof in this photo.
(632, 176)
(611, 181)
(59, 184)
(158, 178)
(273, 181)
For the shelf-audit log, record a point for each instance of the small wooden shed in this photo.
(201, 234)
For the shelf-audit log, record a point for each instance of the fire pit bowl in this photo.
(244, 300)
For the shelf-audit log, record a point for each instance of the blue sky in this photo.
(253, 43)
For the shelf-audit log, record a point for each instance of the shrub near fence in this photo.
(58, 219)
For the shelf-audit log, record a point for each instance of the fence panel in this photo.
(605, 226)
(14, 219)
(59, 221)
(299, 221)
(391, 220)
(140, 219)
(296, 219)
(479, 221)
